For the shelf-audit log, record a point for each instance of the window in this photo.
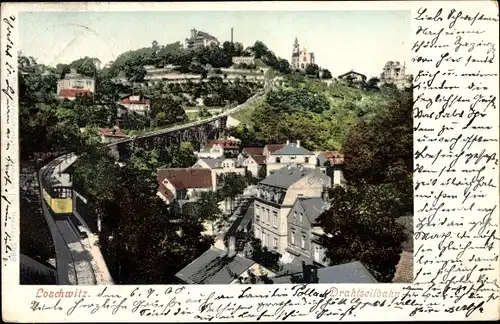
(278, 160)
(303, 241)
(292, 238)
(301, 217)
(268, 239)
(257, 232)
(263, 239)
(257, 214)
(275, 219)
(268, 216)
(306, 160)
(304, 59)
(295, 215)
(275, 243)
(302, 65)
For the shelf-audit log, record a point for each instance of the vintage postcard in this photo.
(167, 161)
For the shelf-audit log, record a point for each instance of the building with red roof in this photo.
(183, 184)
(74, 85)
(220, 147)
(109, 135)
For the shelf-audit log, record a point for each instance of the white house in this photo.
(140, 104)
(253, 159)
(75, 84)
(276, 196)
(290, 154)
(183, 184)
(219, 148)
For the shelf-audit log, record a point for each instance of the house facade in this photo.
(254, 160)
(276, 196)
(139, 104)
(290, 154)
(248, 60)
(75, 84)
(199, 39)
(301, 58)
(303, 230)
(331, 163)
(395, 73)
(183, 184)
(352, 76)
(220, 167)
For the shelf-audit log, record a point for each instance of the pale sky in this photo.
(341, 40)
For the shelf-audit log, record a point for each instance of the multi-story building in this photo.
(248, 60)
(275, 198)
(395, 73)
(199, 39)
(301, 58)
(139, 104)
(75, 84)
(290, 154)
(303, 230)
(331, 163)
(254, 160)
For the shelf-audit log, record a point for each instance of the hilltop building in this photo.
(139, 104)
(75, 84)
(199, 39)
(301, 58)
(352, 76)
(395, 73)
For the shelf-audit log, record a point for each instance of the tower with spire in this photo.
(301, 58)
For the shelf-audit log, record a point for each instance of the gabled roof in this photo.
(333, 156)
(353, 272)
(313, 207)
(214, 267)
(253, 150)
(185, 178)
(274, 147)
(260, 159)
(292, 149)
(285, 177)
(352, 72)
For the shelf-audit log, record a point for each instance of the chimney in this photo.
(231, 247)
(298, 143)
(193, 33)
(231, 34)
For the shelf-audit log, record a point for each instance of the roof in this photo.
(285, 177)
(313, 207)
(213, 267)
(113, 132)
(352, 72)
(184, 178)
(215, 163)
(253, 150)
(140, 97)
(260, 159)
(224, 143)
(274, 147)
(71, 93)
(404, 268)
(199, 33)
(353, 272)
(292, 149)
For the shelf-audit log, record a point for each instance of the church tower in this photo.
(296, 54)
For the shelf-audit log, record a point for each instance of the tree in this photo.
(233, 185)
(326, 74)
(312, 70)
(171, 111)
(361, 226)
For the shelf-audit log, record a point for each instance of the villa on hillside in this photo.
(139, 104)
(352, 76)
(254, 160)
(199, 39)
(276, 196)
(109, 135)
(75, 84)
